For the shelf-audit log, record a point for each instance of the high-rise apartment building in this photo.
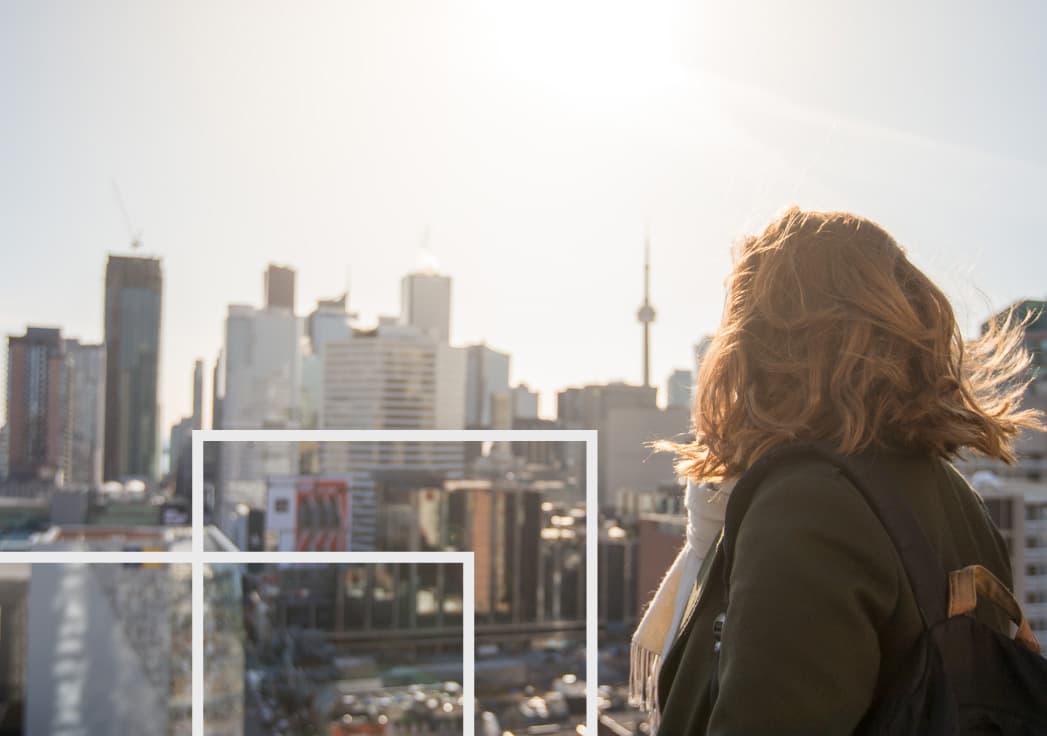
(392, 377)
(1019, 508)
(38, 405)
(87, 393)
(133, 295)
(426, 303)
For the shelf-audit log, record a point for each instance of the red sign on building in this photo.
(322, 515)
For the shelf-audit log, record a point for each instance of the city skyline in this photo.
(535, 175)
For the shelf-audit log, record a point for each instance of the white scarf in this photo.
(660, 624)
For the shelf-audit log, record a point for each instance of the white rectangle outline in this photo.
(588, 436)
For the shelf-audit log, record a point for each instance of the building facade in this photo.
(133, 295)
(486, 374)
(626, 418)
(1019, 508)
(261, 361)
(425, 301)
(38, 406)
(279, 287)
(392, 377)
(87, 384)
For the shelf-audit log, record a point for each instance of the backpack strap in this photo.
(927, 575)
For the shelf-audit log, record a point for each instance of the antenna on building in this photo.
(136, 237)
(427, 262)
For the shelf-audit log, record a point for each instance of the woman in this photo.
(829, 335)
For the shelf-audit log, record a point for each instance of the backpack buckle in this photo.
(718, 623)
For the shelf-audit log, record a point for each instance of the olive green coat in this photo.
(821, 616)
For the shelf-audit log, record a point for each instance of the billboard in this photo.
(308, 514)
(323, 515)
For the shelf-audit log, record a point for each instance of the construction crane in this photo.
(136, 237)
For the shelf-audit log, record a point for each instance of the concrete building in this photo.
(261, 361)
(486, 374)
(525, 402)
(425, 299)
(87, 392)
(392, 377)
(626, 418)
(90, 619)
(679, 389)
(198, 394)
(133, 296)
(39, 414)
(217, 391)
(1019, 508)
(279, 287)
(180, 447)
(331, 320)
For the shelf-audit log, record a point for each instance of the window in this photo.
(282, 505)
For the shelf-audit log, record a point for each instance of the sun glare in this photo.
(590, 49)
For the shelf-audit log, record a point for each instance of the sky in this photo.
(537, 143)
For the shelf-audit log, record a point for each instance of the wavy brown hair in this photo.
(830, 333)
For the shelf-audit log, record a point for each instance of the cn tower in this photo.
(646, 312)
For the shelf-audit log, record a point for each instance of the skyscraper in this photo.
(279, 287)
(390, 378)
(425, 298)
(261, 385)
(486, 373)
(198, 394)
(133, 292)
(38, 406)
(87, 394)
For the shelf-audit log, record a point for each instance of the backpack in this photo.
(964, 678)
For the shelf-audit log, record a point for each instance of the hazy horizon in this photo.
(536, 143)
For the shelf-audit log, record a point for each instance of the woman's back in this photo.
(822, 618)
(830, 335)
